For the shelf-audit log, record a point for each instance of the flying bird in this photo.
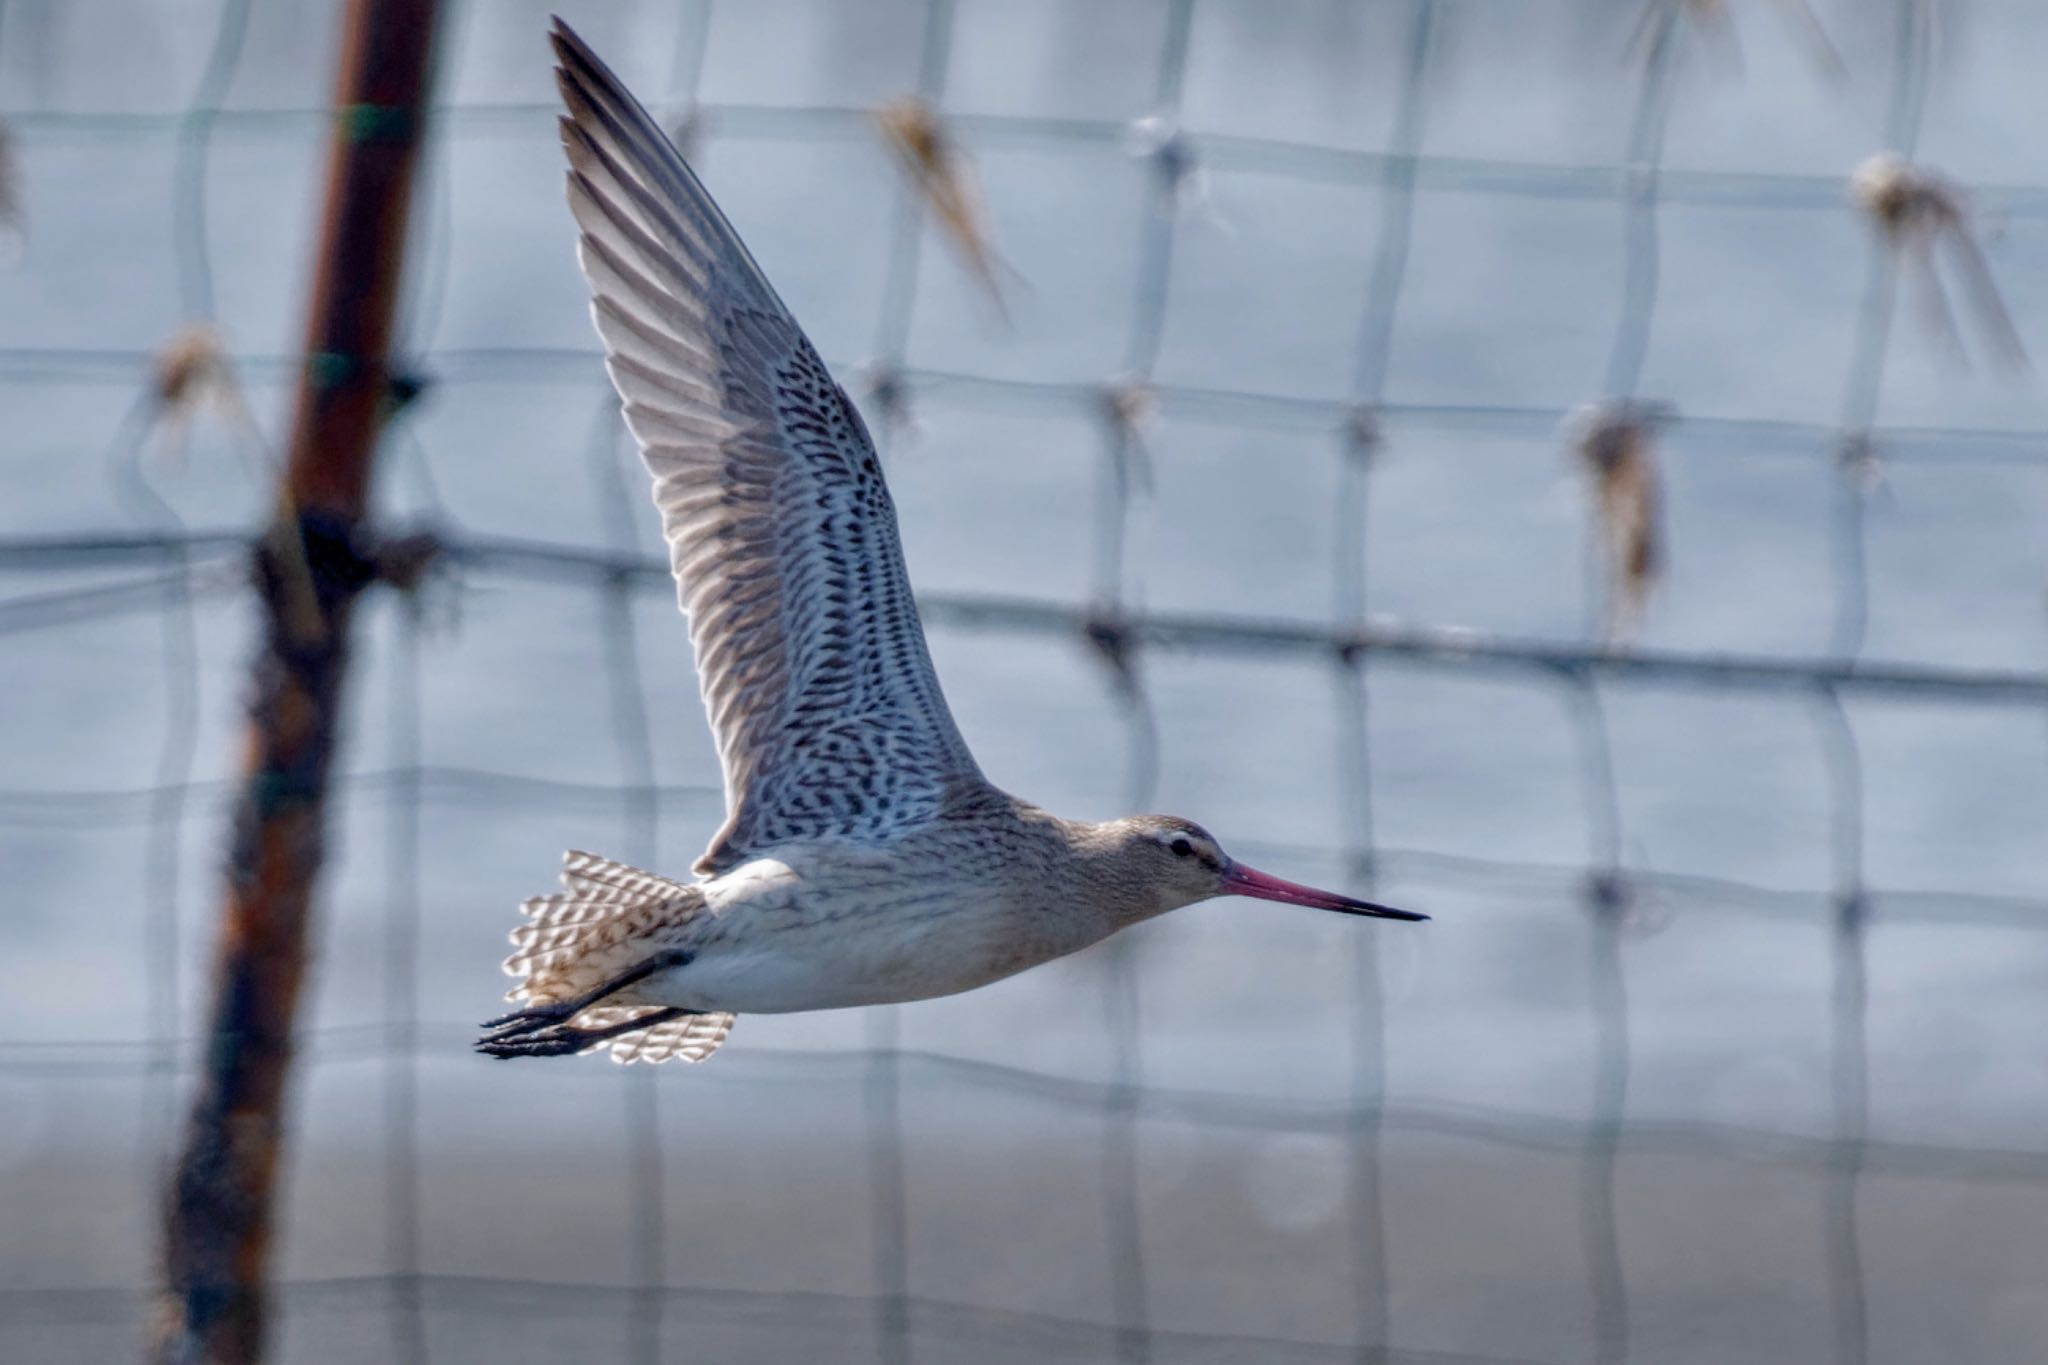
(864, 858)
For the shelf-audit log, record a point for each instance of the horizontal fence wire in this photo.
(1435, 171)
(1192, 403)
(215, 556)
(162, 568)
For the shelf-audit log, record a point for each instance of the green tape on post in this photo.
(330, 369)
(375, 123)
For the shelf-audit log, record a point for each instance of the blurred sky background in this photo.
(1714, 1127)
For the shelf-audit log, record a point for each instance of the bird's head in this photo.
(1177, 863)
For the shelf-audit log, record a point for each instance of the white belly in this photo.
(740, 981)
(781, 946)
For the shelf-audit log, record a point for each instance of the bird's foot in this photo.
(529, 1034)
(532, 1019)
(538, 1041)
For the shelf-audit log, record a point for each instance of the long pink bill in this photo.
(1239, 880)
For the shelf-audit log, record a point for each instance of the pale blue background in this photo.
(1510, 302)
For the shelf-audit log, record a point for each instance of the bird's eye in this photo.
(1182, 848)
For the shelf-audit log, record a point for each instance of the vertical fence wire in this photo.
(640, 811)
(194, 150)
(420, 314)
(906, 229)
(1361, 442)
(1125, 483)
(1849, 1065)
(1641, 171)
(882, 1087)
(1129, 1294)
(431, 249)
(401, 1003)
(1607, 894)
(421, 311)
(1856, 458)
(148, 417)
(686, 69)
(163, 861)
(646, 1213)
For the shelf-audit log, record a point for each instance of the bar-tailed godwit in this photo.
(864, 858)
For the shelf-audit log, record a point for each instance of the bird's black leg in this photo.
(538, 1017)
(560, 1040)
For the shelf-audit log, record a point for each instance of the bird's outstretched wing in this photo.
(813, 665)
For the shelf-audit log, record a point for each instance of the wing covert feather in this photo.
(781, 534)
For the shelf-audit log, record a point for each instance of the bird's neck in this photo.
(1101, 876)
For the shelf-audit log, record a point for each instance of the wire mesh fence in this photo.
(890, 1154)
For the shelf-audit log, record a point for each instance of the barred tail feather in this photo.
(692, 1038)
(607, 918)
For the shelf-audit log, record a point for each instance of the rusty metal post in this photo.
(314, 560)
